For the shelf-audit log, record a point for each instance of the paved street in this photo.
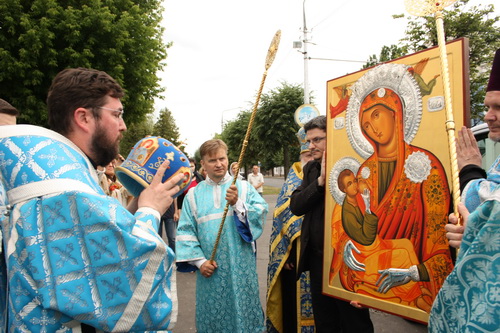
(186, 283)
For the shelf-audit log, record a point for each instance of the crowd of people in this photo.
(72, 259)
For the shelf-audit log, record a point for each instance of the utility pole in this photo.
(303, 44)
(306, 58)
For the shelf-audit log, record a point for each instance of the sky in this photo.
(216, 62)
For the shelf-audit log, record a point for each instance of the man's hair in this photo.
(6, 108)
(318, 122)
(75, 88)
(211, 146)
(191, 160)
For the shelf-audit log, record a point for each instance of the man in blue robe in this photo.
(469, 300)
(227, 289)
(77, 260)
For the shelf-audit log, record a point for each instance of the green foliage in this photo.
(166, 128)
(135, 132)
(477, 23)
(386, 54)
(272, 140)
(275, 125)
(233, 135)
(39, 38)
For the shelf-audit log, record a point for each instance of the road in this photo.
(186, 284)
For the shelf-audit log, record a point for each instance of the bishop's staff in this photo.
(425, 8)
(271, 54)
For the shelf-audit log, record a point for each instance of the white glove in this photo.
(393, 277)
(366, 199)
(349, 258)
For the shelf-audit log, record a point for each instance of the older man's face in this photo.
(492, 116)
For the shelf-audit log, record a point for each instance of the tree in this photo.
(275, 124)
(386, 54)
(39, 38)
(166, 128)
(233, 135)
(478, 24)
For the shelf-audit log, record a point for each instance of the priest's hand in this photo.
(455, 232)
(232, 195)
(158, 195)
(208, 268)
(357, 305)
(322, 176)
(467, 149)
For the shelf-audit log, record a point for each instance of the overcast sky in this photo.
(215, 65)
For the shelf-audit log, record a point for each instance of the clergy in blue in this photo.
(75, 259)
(227, 289)
(469, 300)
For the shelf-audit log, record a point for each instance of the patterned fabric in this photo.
(286, 229)
(75, 255)
(3, 266)
(479, 190)
(228, 301)
(469, 300)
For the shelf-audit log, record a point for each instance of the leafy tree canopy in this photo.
(273, 138)
(477, 23)
(275, 125)
(39, 38)
(233, 135)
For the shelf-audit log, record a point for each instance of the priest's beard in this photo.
(104, 149)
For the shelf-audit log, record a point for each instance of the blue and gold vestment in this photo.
(286, 231)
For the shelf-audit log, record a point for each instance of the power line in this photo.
(345, 60)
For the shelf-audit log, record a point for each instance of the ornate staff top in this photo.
(426, 7)
(271, 54)
(273, 49)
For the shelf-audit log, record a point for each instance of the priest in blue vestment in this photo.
(227, 289)
(469, 300)
(76, 259)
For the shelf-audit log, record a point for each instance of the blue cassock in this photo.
(469, 300)
(228, 301)
(74, 255)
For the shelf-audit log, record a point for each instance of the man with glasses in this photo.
(78, 261)
(330, 314)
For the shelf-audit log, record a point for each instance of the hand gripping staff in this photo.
(425, 8)
(271, 54)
